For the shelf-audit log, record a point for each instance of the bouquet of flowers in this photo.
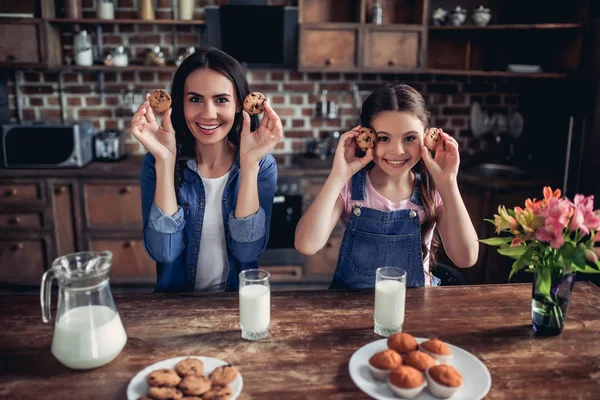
(554, 238)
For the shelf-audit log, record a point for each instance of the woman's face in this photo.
(209, 105)
(399, 141)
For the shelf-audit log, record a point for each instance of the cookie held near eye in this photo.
(366, 139)
(160, 101)
(254, 103)
(432, 138)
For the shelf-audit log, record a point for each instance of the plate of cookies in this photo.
(189, 377)
(407, 367)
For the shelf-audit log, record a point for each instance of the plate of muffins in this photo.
(407, 367)
(190, 377)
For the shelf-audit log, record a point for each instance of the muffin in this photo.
(407, 382)
(418, 360)
(443, 380)
(381, 363)
(437, 349)
(402, 342)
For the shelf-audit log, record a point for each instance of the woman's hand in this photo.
(444, 167)
(345, 162)
(254, 146)
(158, 140)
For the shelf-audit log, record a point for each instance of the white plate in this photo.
(138, 385)
(476, 377)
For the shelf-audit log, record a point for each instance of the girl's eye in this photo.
(222, 100)
(410, 138)
(383, 139)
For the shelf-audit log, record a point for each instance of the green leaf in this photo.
(496, 241)
(521, 263)
(490, 221)
(588, 269)
(544, 281)
(513, 252)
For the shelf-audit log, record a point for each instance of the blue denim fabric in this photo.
(376, 239)
(173, 241)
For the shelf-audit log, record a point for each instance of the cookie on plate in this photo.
(366, 138)
(163, 377)
(254, 103)
(432, 138)
(223, 376)
(165, 393)
(160, 101)
(189, 366)
(218, 393)
(195, 385)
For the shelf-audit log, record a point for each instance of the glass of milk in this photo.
(255, 304)
(390, 296)
(88, 331)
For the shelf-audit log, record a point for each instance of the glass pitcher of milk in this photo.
(88, 331)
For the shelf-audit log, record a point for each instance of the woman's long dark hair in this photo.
(406, 99)
(224, 64)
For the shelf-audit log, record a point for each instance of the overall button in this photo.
(412, 213)
(357, 211)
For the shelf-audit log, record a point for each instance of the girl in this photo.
(391, 206)
(208, 180)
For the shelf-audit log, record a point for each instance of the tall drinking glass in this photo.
(255, 304)
(390, 296)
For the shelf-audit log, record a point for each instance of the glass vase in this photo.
(548, 313)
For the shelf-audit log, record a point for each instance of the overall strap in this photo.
(415, 198)
(358, 185)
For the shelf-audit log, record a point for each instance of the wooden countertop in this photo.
(312, 337)
(288, 166)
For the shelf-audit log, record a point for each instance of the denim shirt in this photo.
(173, 241)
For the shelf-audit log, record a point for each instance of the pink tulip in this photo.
(590, 255)
(584, 217)
(551, 232)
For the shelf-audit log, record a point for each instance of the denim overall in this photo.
(376, 239)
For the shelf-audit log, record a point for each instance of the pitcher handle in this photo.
(45, 295)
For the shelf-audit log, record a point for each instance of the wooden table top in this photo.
(312, 337)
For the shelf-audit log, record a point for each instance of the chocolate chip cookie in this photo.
(223, 376)
(193, 385)
(254, 103)
(366, 138)
(160, 101)
(189, 366)
(432, 138)
(218, 393)
(163, 377)
(165, 393)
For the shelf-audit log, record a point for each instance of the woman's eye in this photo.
(195, 99)
(383, 139)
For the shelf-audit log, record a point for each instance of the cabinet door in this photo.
(20, 220)
(19, 193)
(284, 273)
(130, 264)
(328, 49)
(19, 44)
(64, 219)
(113, 205)
(322, 264)
(390, 49)
(22, 261)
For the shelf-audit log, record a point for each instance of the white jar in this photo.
(186, 9)
(106, 9)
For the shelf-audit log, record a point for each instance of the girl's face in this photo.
(209, 105)
(399, 141)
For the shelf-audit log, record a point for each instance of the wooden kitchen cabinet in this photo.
(329, 48)
(19, 51)
(22, 259)
(131, 263)
(391, 49)
(113, 205)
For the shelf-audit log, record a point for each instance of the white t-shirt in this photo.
(212, 267)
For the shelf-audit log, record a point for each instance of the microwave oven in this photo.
(46, 145)
(258, 36)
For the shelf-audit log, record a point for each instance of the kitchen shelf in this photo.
(440, 71)
(11, 20)
(71, 21)
(103, 68)
(495, 27)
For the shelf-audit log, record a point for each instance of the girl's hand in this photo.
(345, 162)
(158, 140)
(444, 167)
(254, 146)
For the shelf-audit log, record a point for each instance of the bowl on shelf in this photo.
(481, 16)
(525, 68)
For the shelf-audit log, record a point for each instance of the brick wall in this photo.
(293, 95)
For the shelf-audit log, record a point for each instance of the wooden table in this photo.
(312, 336)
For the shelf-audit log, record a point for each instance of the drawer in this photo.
(131, 263)
(284, 273)
(329, 49)
(322, 264)
(20, 193)
(113, 205)
(20, 220)
(392, 50)
(22, 261)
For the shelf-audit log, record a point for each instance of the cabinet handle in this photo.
(126, 189)
(60, 189)
(16, 246)
(329, 61)
(11, 192)
(128, 244)
(391, 63)
(14, 221)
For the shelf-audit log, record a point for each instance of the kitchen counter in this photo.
(288, 166)
(312, 337)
